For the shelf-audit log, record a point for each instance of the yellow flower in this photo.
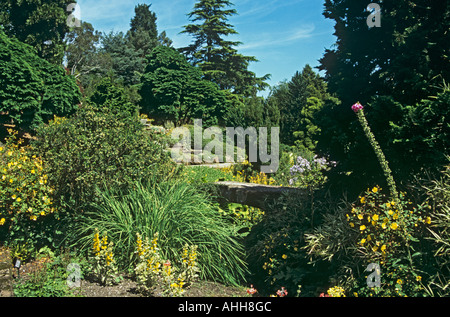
(383, 225)
(360, 217)
(19, 199)
(390, 212)
(394, 226)
(399, 281)
(2, 221)
(383, 248)
(375, 217)
(428, 220)
(284, 256)
(418, 278)
(363, 241)
(363, 200)
(362, 228)
(352, 224)
(374, 189)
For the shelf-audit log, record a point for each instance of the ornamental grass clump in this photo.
(180, 214)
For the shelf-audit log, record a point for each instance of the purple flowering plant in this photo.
(308, 173)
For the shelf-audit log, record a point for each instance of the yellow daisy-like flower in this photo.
(2, 221)
(383, 248)
(360, 217)
(418, 278)
(428, 220)
(375, 217)
(352, 224)
(375, 189)
(284, 256)
(383, 225)
(394, 226)
(363, 200)
(363, 241)
(362, 228)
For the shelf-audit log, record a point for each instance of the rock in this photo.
(6, 282)
(254, 195)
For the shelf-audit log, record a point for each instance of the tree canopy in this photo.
(172, 89)
(216, 56)
(32, 90)
(41, 24)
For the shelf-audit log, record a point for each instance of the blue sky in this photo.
(284, 35)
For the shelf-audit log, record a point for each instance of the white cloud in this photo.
(264, 40)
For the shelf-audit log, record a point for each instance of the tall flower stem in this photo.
(378, 152)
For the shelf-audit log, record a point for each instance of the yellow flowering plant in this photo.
(26, 197)
(155, 275)
(103, 262)
(385, 232)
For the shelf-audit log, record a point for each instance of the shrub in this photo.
(31, 89)
(180, 214)
(275, 248)
(95, 147)
(26, 197)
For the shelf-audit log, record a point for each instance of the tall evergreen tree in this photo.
(401, 58)
(143, 33)
(299, 101)
(404, 61)
(41, 24)
(217, 57)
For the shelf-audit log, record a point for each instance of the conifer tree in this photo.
(216, 56)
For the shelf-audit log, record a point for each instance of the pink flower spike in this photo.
(357, 106)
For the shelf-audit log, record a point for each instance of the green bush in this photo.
(95, 147)
(172, 89)
(180, 214)
(31, 89)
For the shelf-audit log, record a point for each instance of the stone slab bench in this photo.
(255, 195)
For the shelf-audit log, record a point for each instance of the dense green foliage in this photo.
(393, 70)
(373, 188)
(31, 89)
(96, 147)
(41, 24)
(172, 89)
